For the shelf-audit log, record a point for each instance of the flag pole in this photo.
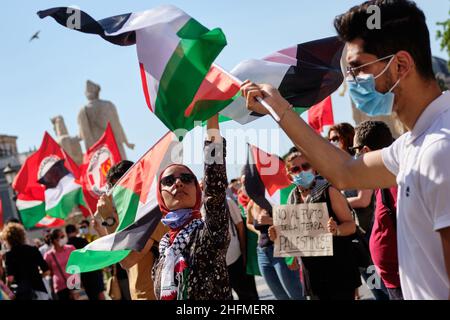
(259, 99)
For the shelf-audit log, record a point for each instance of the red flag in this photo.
(26, 180)
(97, 161)
(321, 115)
(40, 173)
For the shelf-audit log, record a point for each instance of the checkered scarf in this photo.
(175, 267)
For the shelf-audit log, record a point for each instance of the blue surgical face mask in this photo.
(177, 218)
(367, 98)
(304, 179)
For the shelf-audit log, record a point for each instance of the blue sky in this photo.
(44, 78)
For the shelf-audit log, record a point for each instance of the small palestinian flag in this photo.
(100, 157)
(175, 53)
(46, 184)
(134, 197)
(305, 75)
(266, 179)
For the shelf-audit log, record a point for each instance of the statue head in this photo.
(92, 90)
(59, 126)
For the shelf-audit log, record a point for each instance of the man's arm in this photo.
(445, 238)
(337, 166)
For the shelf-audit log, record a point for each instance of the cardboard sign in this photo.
(302, 230)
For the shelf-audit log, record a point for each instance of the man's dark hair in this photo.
(84, 221)
(117, 171)
(70, 228)
(403, 27)
(374, 134)
(233, 180)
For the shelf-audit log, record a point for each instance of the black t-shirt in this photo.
(23, 262)
(77, 242)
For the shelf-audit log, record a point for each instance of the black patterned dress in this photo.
(207, 276)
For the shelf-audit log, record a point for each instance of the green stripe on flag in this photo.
(284, 194)
(66, 204)
(83, 260)
(184, 73)
(31, 216)
(126, 202)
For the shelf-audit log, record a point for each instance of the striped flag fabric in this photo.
(47, 184)
(175, 53)
(320, 115)
(266, 179)
(50, 222)
(134, 197)
(304, 74)
(99, 158)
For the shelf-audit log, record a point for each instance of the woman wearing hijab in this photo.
(191, 265)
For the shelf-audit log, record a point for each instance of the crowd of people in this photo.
(387, 200)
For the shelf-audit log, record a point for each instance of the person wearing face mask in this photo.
(56, 259)
(390, 70)
(328, 278)
(192, 260)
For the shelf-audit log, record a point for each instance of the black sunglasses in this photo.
(303, 167)
(186, 178)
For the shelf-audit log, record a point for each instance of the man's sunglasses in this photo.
(186, 178)
(298, 169)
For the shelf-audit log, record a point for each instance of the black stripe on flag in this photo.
(254, 186)
(317, 73)
(136, 235)
(67, 16)
(53, 175)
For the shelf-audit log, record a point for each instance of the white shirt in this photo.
(420, 160)
(234, 249)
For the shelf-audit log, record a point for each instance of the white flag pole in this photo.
(259, 99)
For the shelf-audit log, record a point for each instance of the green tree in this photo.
(444, 36)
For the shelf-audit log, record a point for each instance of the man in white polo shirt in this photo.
(390, 71)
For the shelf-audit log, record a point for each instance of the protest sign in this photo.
(302, 230)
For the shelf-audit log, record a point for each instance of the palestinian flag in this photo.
(97, 161)
(305, 75)
(50, 222)
(320, 115)
(134, 197)
(175, 53)
(266, 179)
(47, 184)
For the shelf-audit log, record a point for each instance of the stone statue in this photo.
(70, 144)
(94, 117)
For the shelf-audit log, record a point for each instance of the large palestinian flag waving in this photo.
(134, 197)
(304, 74)
(175, 53)
(47, 184)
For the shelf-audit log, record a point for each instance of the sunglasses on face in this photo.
(298, 169)
(356, 148)
(185, 178)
